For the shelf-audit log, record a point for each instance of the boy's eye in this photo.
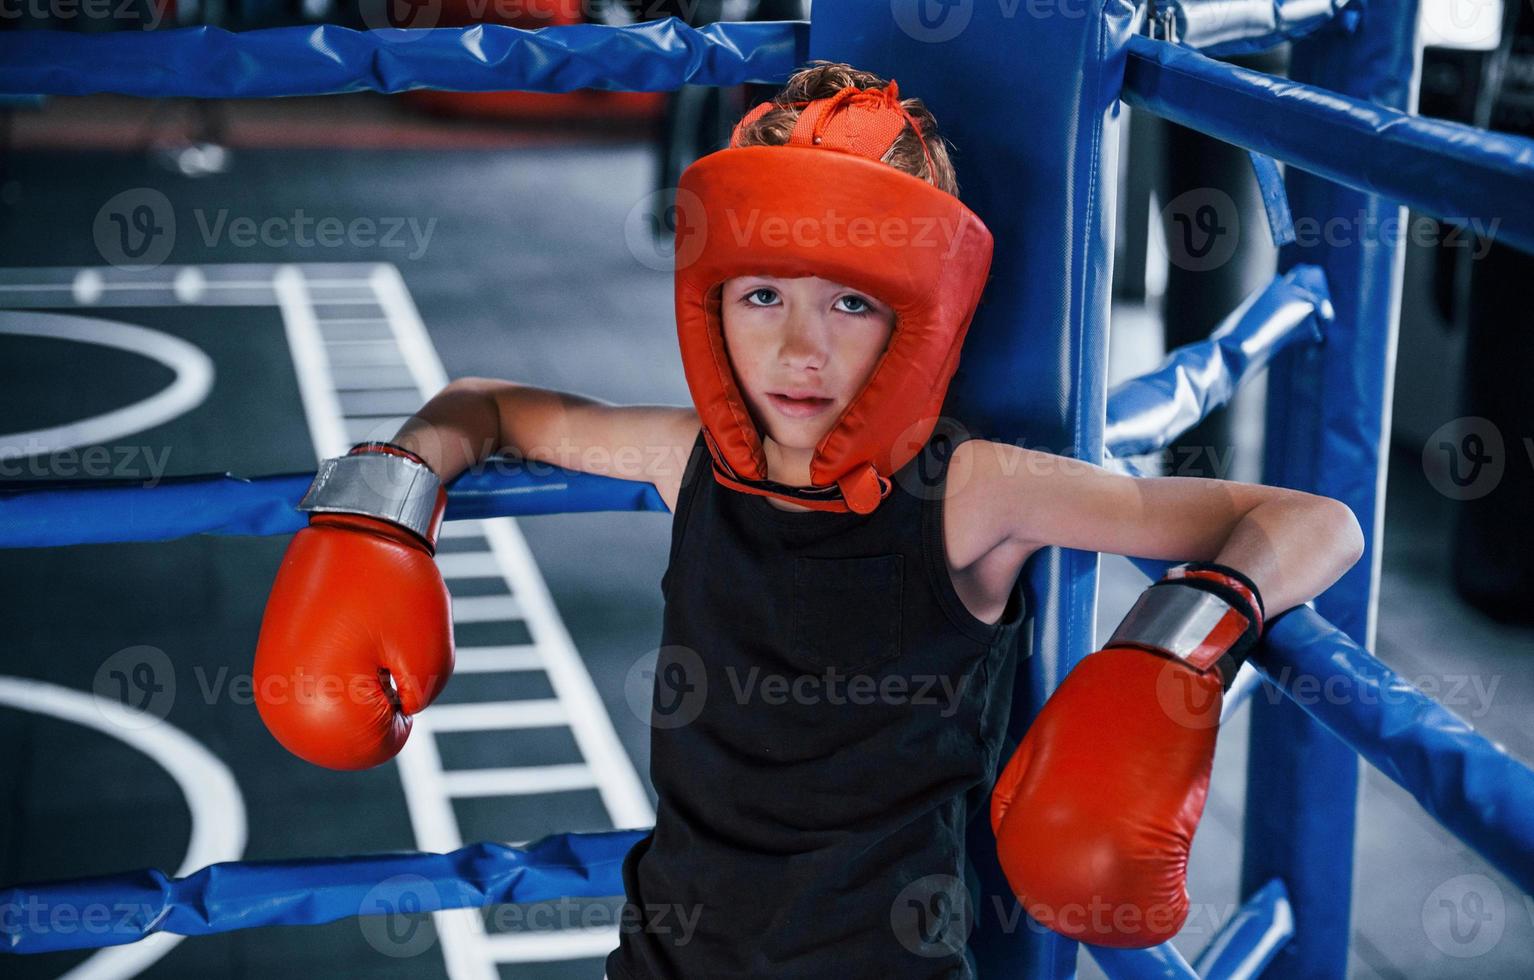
(863, 307)
(767, 296)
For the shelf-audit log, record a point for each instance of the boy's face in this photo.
(801, 350)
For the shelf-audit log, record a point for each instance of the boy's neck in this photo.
(788, 466)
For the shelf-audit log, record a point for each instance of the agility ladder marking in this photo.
(347, 369)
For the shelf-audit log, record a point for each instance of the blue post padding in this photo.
(1161, 962)
(1456, 172)
(1467, 782)
(212, 63)
(1146, 413)
(87, 913)
(1248, 942)
(53, 515)
(1327, 414)
(1275, 201)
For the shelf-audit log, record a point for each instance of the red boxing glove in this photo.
(1094, 815)
(358, 633)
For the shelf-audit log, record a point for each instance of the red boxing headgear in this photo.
(825, 205)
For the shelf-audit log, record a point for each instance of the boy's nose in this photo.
(802, 345)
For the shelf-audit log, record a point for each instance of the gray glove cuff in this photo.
(387, 487)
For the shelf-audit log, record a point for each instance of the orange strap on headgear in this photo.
(826, 205)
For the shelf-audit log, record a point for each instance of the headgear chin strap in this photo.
(825, 205)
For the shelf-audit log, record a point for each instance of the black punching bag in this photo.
(1213, 222)
(1493, 544)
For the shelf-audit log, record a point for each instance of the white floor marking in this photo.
(211, 793)
(327, 362)
(494, 660)
(321, 407)
(193, 381)
(518, 780)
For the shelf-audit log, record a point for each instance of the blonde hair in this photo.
(823, 79)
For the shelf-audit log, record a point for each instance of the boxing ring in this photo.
(1038, 160)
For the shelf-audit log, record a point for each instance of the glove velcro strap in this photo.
(381, 485)
(1228, 582)
(1176, 618)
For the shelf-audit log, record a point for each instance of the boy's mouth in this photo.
(799, 408)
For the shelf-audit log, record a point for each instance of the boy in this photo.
(844, 583)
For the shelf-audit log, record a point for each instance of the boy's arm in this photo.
(357, 634)
(473, 418)
(1095, 812)
(1292, 544)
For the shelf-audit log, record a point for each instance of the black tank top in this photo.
(826, 719)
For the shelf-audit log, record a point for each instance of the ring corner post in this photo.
(1328, 429)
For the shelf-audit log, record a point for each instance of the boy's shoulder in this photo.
(977, 459)
(679, 434)
(991, 485)
(975, 507)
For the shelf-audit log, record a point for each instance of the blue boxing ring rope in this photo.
(1324, 329)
